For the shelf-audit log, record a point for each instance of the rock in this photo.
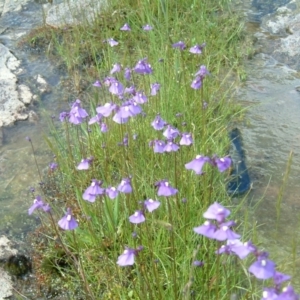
(6, 249)
(285, 24)
(25, 94)
(6, 285)
(72, 12)
(13, 98)
(42, 84)
(12, 6)
(33, 117)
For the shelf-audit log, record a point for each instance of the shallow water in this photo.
(17, 166)
(270, 133)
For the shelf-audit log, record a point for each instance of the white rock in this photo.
(12, 5)
(42, 84)
(25, 94)
(13, 100)
(6, 248)
(6, 251)
(73, 12)
(6, 285)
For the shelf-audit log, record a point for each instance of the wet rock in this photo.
(13, 98)
(42, 84)
(6, 285)
(6, 251)
(72, 12)
(25, 94)
(6, 248)
(12, 5)
(286, 25)
(33, 117)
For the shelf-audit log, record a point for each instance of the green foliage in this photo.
(163, 269)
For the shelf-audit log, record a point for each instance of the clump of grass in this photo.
(115, 246)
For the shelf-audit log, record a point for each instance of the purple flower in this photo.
(130, 90)
(217, 212)
(106, 109)
(158, 146)
(208, 229)
(225, 233)
(77, 113)
(222, 163)
(197, 49)
(116, 88)
(134, 108)
(142, 67)
(165, 189)
(279, 278)
(96, 119)
(151, 205)
(37, 203)
(118, 119)
(112, 42)
(111, 192)
(109, 80)
(263, 268)
(116, 68)
(125, 27)
(242, 250)
(186, 139)
(197, 164)
(154, 88)
(125, 186)
(202, 72)
(53, 166)
(97, 83)
(269, 294)
(84, 164)
(147, 27)
(158, 123)
(93, 191)
(127, 74)
(137, 218)
(68, 222)
(288, 294)
(125, 140)
(180, 45)
(63, 116)
(124, 112)
(171, 146)
(140, 98)
(103, 127)
(196, 83)
(237, 247)
(171, 132)
(127, 258)
(198, 263)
